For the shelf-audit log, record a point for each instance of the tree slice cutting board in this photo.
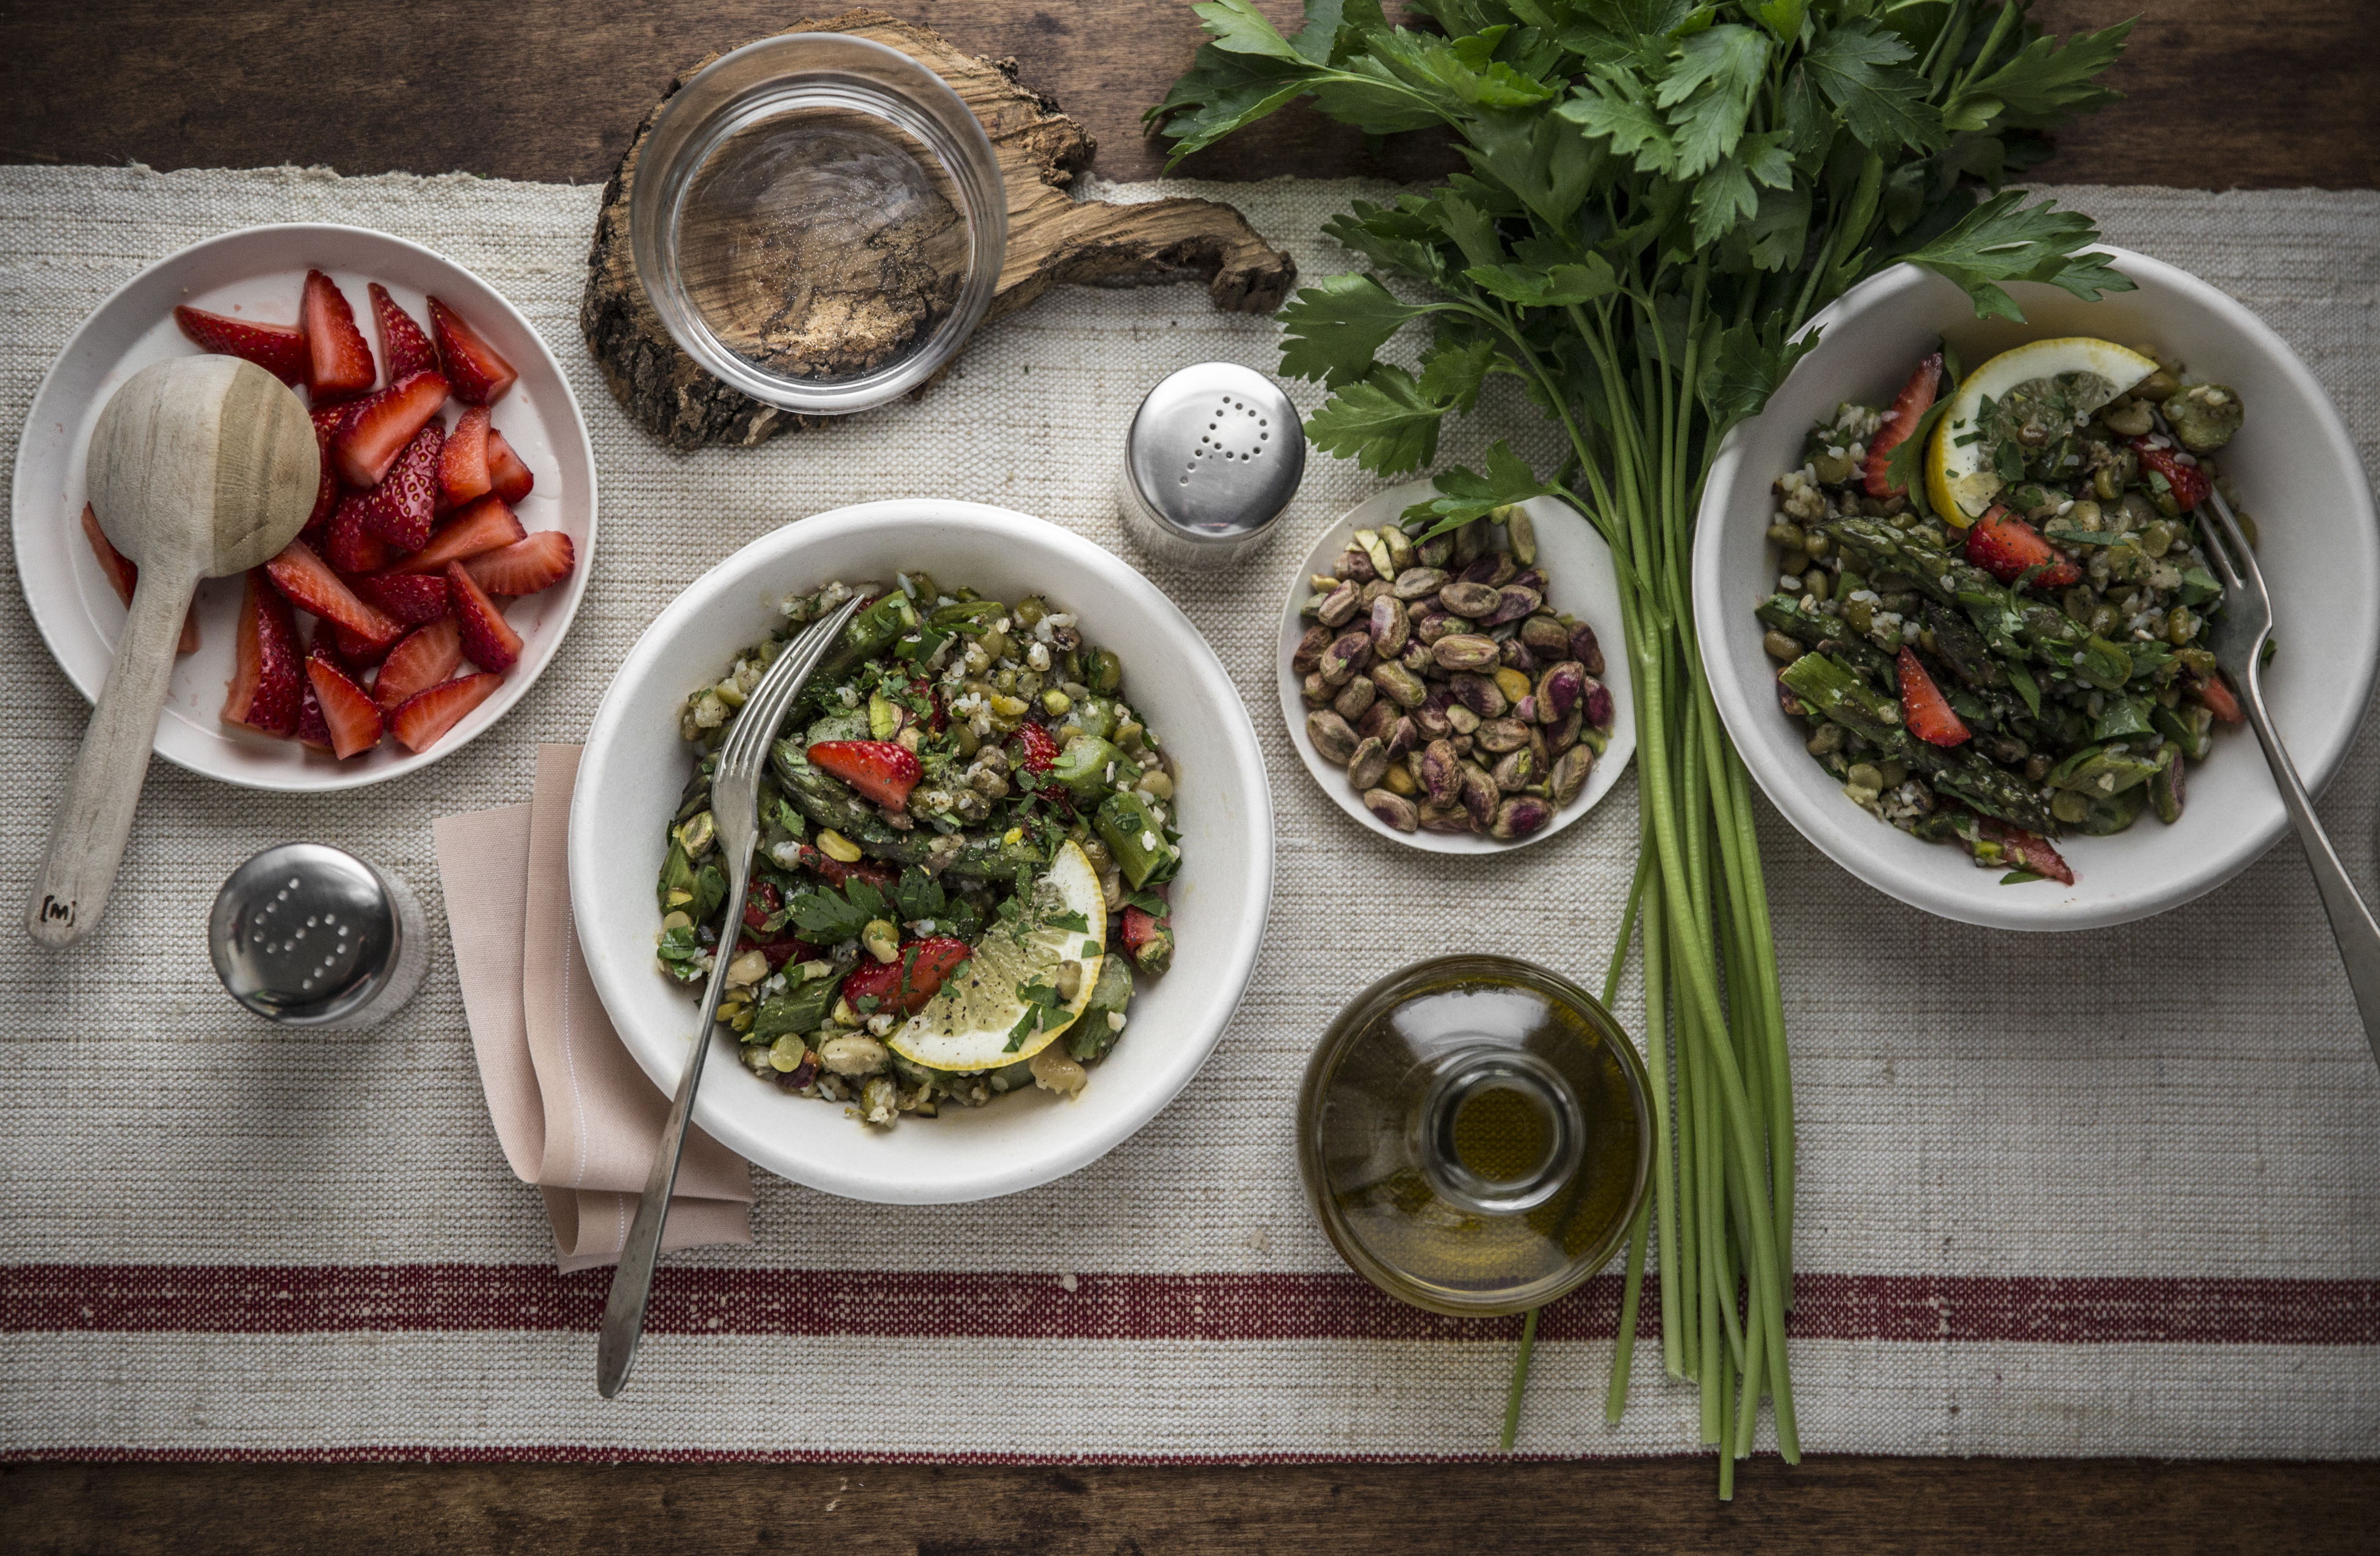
(1052, 236)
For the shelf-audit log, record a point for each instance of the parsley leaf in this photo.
(1555, 286)
(1469, 495)
(1858, 66)
(2042, 85)
(1716, 73)
(2005, 240)
(1617, 109)
(1746, 369)
(1382, 422)
(1332, 331)
(829, 916)
(1451, 375)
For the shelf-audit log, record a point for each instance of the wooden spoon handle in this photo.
(94, 815)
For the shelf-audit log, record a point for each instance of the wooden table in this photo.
(2278, 94)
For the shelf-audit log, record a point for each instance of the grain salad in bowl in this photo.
(966, 842)
(1991, 606)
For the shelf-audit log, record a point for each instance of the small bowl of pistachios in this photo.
(1464, 693)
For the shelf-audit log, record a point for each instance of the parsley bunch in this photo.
(1661, 194)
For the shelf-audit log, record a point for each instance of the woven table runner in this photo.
(2102, 1194)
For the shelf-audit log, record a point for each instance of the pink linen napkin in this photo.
(574, 1114)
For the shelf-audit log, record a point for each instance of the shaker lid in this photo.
(1216, 451)
(304, 933)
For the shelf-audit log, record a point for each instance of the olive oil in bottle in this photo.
(1474, 1135)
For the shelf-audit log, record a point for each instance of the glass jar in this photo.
(1476, 1135)
(819, 222)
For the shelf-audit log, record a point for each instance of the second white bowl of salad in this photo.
(1015, 854)
(2043, 706)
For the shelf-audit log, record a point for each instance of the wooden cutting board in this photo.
(1052, 236)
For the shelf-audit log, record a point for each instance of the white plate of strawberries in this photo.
(448, 546)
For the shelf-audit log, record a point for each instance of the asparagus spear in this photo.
(1828, 634)
(828, 803)
(1829, 687)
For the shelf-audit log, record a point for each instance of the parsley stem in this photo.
(1520, 1383)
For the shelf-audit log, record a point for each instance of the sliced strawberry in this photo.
(279, 349)
(420, 719)
(327, 421)
(488, 638)
(1925, 709)
(2186, 482)
(266, 677)
(2027, 851)
(836, 872)
(877, 769)
(480, 374)
(122, 572)
(348, 711)
(123, 575)
(403, 349)
(506, 474)
(1037, 748)
(349, 542)
(463, 469)
(377, 430)
(400, 509)
(2007, 548)
(338, 364)
(355, 653)
(2214, 693)
(1916, 397)
(311, 585)
(314, 732)
(908, 982)
(483, 526)
(1148, 937)
(412, 597)
(526, 566)
(422, 659)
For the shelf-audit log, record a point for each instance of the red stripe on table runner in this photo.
(384, 1298)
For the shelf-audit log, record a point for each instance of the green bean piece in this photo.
(828, 803)
(1134, 835)
(2111, 814)
(869, 633)
(2192, 727)
(1090, 1038)
(1089, 765)
(2166, 791)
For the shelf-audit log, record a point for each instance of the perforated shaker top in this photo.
(1217, 451)
(305, 933)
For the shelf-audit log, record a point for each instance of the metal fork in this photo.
(2239, 635)
(734, 804)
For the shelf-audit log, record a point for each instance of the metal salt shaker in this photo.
(1215, 454)
(309, 935)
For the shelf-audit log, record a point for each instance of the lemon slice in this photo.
(2077, 373)
(971, 1022)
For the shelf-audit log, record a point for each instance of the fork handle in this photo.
(2350, 921)
(632, 1281)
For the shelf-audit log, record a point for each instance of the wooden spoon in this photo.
(200, 467)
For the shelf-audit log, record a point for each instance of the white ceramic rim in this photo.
(32, 533)
(661, 1055)
(1591, 594)
(1740, 710)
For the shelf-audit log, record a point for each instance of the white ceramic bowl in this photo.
(1580, 579)
(258, 273)
(2294, 468)
(635, 767)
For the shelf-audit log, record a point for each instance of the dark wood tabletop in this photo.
(2281, 93)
